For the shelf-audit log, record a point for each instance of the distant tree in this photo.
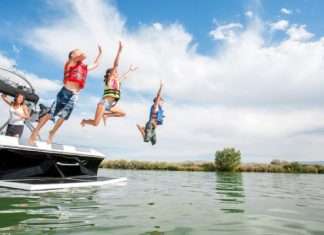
(296, 167)
(228, 159)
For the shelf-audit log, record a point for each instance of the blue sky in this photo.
(197, 18)
(248, 60)
(18, 16)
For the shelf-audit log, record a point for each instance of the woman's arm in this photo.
(26, 114)
(5, 99)
(96, 62)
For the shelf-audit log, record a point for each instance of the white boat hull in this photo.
(44, 184)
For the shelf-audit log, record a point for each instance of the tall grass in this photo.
(273, 167)
(163, 166)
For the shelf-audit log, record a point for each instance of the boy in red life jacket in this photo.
(155, 119)
(75, 75)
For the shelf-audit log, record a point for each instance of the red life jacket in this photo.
(77, 73)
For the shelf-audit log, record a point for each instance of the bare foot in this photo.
(31, 141)
(50, 137)
(82, 123)
(139, 127)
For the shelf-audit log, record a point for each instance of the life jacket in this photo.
(112, 89)
(158, 115)
(77, 73)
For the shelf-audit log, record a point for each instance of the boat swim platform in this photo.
(41, 183)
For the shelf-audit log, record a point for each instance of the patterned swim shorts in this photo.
(64, 104)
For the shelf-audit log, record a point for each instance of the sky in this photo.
(238, 73)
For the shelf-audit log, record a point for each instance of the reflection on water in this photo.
(229, 186)
(25, 211)
(15, 210)
(172, 203)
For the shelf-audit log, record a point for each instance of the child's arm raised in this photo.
(116, 61)
(130, 69)
(96, 62)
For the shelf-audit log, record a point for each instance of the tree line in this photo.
(228, 159)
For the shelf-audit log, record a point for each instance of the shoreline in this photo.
(273, 167)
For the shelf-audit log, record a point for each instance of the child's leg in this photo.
(39, 126)
(115, 112)
(141, 129)
(98, 116)
(57, 125)
(153, 138)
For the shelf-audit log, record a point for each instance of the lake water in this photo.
(155, 202)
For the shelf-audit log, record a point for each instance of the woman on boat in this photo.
(107, 106)
(19, 112)
(155, 119)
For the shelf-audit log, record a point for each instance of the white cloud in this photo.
(286, 11)
(249, 14)
(280, 25)
(158, 26)
(42, 86)
(299, 33)
(227, 32)
(6, 62)
(253, 95)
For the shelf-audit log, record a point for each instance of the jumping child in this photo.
(155, 119)
(107, 106)
(75, 75)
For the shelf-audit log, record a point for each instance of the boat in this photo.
(44, 166)
(48, 167)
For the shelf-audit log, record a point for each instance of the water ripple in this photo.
(172, 203)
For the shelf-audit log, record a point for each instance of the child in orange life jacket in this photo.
(75, 75)
(155, 119)
(107, 106)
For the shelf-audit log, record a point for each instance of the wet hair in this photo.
(16, 99)
(107, 75)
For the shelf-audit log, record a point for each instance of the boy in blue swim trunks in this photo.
(75, 75)
(155, 119)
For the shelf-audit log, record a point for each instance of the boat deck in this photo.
(15, 143)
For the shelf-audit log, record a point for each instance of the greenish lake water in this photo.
(155, 202)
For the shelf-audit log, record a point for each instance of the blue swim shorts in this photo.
(64, 104)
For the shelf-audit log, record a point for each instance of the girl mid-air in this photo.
(107, 106)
